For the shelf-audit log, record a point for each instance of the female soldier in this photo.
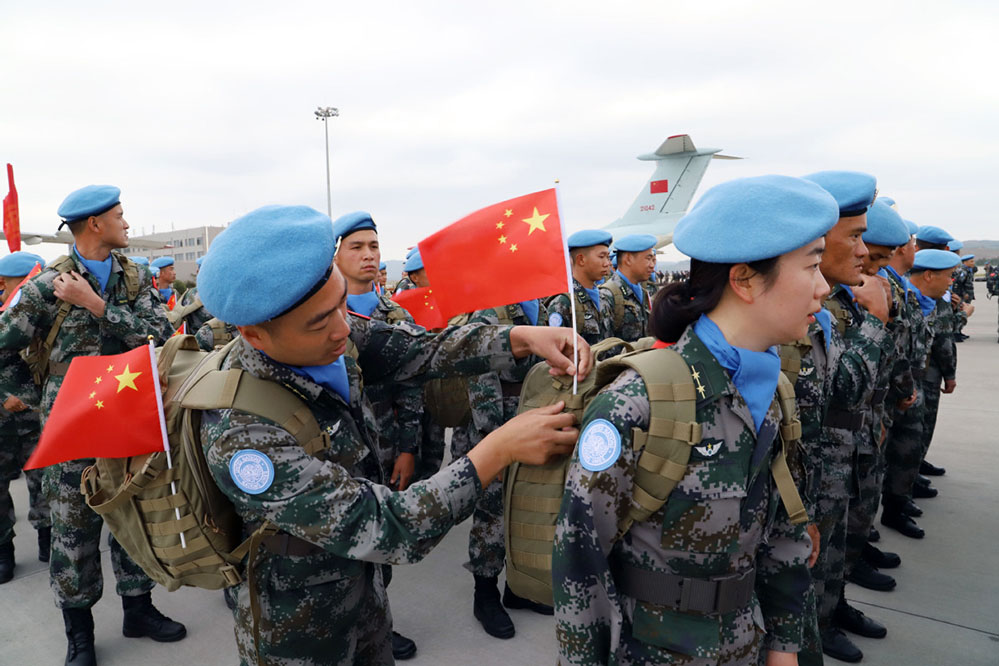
(717, 575)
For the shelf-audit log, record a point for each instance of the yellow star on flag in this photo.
(127, 380)
(502, 239)
(92, 394)
(100, 404)
(500, 225)
(97, 380)
(536, 221)
(513, 248)
(508, 212)
(110, 368)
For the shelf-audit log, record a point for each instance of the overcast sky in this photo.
(203, 111)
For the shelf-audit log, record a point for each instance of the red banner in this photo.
(11, 216)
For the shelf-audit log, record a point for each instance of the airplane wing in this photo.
(66, 238)
(664, 198)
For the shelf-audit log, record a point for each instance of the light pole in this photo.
(324, 113)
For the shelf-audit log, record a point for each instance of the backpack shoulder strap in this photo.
(617, 299)
(40, 351)
(580, 307)
(790, 435)
(131, 270)
(503, 315)
(790, 361)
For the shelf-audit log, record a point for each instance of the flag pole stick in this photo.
(569, 289)
(166, 440)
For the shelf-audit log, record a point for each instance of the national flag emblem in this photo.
(421, 305)
(659, 187)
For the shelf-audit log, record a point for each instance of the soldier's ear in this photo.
(258, 337)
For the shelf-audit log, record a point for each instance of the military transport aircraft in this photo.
(665, 197)
(65, 238)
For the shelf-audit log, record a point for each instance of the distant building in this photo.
(187, 246)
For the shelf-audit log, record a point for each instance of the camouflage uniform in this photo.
(494, 398)
(629, 316)
(592, 322)
(724, 517)
(75, 567)
(941, 365)
(207, 336)
(199, 317)
(329, 606)
(18, 435)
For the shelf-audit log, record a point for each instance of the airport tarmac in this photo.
(944, 611)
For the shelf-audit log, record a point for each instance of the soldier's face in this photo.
(843, 261)
(907, 253)
(314, 333)
(359, 256)
(419, 278)
(3, 283)
(936, 283)
(111, 227)
(639, 265)
(594, 262)
(167, 275)
(877, 258)
(788, 305)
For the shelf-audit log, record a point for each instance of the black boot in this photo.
(402, 648)
(142, 619)
(910, 508)
(879, 559)
(488, 609)
(847, 617)
(44, 543)
(6, 562)
(838, 646)
(927, 468)
(80, 635)
(895, 517)
(874, 535)
(511, 600)
(920, 491)
(865, 575)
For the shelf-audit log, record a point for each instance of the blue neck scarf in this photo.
(926, 304)
(166, 293)
(594, 295)
(332, 376)
(99, 269)
(531, 309)
(754, 374)
(363, 304)
(637, 289)
(824, 317)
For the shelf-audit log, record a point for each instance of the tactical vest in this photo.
(37, 354)
(220, 332)
(533, 493)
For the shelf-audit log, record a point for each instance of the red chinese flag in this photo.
(11, 217)
(12, 296)
(107, 407)
(421, 303)
(506, 253)
(658, 186)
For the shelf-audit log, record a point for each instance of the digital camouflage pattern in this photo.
(215, 333)
(619, 298)
(724, 517)
(494, 398)
(74, 569)
(941, 364)
(330, 607)
(592, 323)
(199, 317)
(18, 435)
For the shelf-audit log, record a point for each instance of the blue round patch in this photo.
(599, 445)
(252, 471)
(555, 319)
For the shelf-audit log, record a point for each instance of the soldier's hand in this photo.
(534, 438)
(14, 405)
(949, 385)
(813, 534)
(775, 658)
(403, 471)
(554, 344)
(955, 300)
(871, 295)
(75, 290)
(968, 308)
(903, 405)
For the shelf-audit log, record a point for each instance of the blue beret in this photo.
(635, 243)
(413, 250)
(382, 266)
(199, 260)
(755, 218)
(913, 227)
(955, 245)
(965, 257)
(351, 222)
(888, 201)
(162, 262)
(414, 262)
(935, 260)
(155, 271)
(266, 241)
(19, 264)
(139, 259)
(934, 235)
(854, 191)
(589, 237)
(87, 201)
(885, 226)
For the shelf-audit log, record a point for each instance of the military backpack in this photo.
(533, 493)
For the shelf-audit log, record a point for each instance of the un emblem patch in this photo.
(251, 471)
(599, 445)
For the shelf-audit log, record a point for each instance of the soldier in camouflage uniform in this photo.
(614, 592)
(624, 294)
(112, 307)
(316, 585)
(590, 257)
(215, 333)
(197, 316)
(494, 398)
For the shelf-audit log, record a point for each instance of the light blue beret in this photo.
(589, 237)
(965, 257)
(934, 235)
(635, 243)
(138, 259)
(885, 226)
(935, 260)
(755, 218)
(854, 191)
(913, 227)
(162, 262)
(199, 260)
(382, 266)
(887, 200)
(155, 271)
(351, 222)
(955, 245)
(19, 264)
(414, 262)
(87, 201)
(266, 241)
(413, 250)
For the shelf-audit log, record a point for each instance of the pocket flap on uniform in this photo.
(684, 633)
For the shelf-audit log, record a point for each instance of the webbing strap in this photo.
(187, 567)
(788, 491)
(545, 475)
(536, 504)
(532, 531)
(195, 546)
(171, 526)
(531, 560)
(790, 435)
(162, 503)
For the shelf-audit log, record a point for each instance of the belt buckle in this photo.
(698, 595)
